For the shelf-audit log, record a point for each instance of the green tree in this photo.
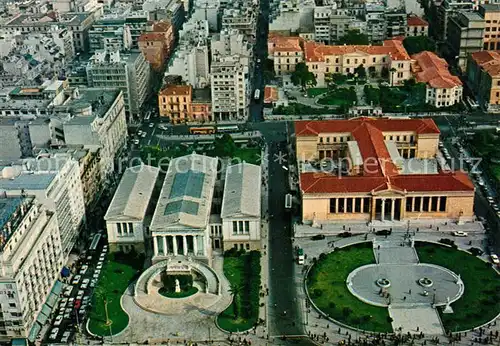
(384, 73)
(354, 37)
(224, 146)
(235, 291)
(301, 76)
(360, 71)
(393, 70)
(417, 44)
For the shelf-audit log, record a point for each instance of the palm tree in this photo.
(235, 291)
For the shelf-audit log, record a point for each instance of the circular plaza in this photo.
(403, 286)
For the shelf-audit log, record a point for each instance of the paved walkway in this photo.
(415, 320)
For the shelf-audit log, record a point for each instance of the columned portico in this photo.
(175, 245)
(387, 208)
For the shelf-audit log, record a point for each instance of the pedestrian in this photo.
(409, 291)
(404, 298)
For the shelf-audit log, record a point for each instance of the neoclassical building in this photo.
(180, 224)
(367, 170)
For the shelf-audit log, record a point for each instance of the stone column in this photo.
(373, 211)
(195, 245)
(345, 205)
(438, 204)
(412, 203)
(164, 245)
(184, 245)
(393, 207)
(155, 245)
(382, 214)
(362, 205)
(421, 204)
(336, 205)
(174, 238)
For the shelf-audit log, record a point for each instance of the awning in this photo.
(54, 294)
(35, 330)
(42, 318)
(19, 342)
(46, 310)
(65, 272)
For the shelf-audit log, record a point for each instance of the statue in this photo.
(447, 308)
(459, 280)
(177, 286)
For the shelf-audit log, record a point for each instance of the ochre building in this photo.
(367, 170)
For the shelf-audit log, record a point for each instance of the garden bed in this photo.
(339, 97)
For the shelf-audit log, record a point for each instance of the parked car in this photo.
(99, 266)
(102, 257)
(68, 290)
(151, 125)
(318, 237)
(58, 320)
(494, 259)
(383, 232)
(136, 141)
(65, 337)
(459, 234)
(80, 294)
(93, 283)
(53, 333)
(105, 248)
(76, 280)
(63, 302)
(345, 234)
(84, 269)
(85, 284)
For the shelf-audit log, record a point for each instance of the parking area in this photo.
(70, 312)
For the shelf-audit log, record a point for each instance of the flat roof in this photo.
(357, 159)
(132, 196)
(242, 193)
(186, 196)
(36, 181)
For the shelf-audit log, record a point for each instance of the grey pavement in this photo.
(416, 320)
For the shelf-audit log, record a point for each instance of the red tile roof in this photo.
(176, 90)
(270, 94)
(278, 43)
(313, 128)
(433, 70)
(442, 182)
(414, 20)
(380, 173)
(317, 51)
(489, 60)
(151, 36)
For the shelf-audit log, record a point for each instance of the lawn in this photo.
(182, 294)
(339, 97)
(244, 272)
(117, 273)
(295, 108)
(326, 284)
(397, 99)
(313, 92)
(249, 155)
(479, 303)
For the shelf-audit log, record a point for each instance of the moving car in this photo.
(99, 266)
(151, 125)
(459, 233)
(65, 337)
(136, 141)
(68, 290)
(300, 256)
(318, 237)
(84, 269)
(93, 283)
(80, 294)
(383, 232)
(494, 259)
(85, 284)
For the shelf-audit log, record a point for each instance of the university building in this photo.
(366, 170)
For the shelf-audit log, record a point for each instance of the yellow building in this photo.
(491, 16)
(183, 104)
(322, 60)
(483, 74)
(366, 170)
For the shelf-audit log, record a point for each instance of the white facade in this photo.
(125, 218)
(230, 95)
(32, 259)
(55, 181)
(191, 58)
(180, 224)
(443, 97)
(241, 207)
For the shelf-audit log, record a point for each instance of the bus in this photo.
(95, 242)
(288, 201)
(256, 95)
(225, 129)
(207, 130)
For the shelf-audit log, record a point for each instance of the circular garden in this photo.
(185, 286)
(326, 285)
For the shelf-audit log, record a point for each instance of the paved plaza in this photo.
(416, 320)
(404, 289)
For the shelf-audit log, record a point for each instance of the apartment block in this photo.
(491, 15)
(129, 72)
(483, 76)
(32, 258)
(230, 95)
(242, 19)
(442, 88)
(443, 11)
(157, 46)
(55, 181)
(465, 36)
(396, 22)
(286, 52)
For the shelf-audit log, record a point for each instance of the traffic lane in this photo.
(285, 318)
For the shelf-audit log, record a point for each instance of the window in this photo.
(408, 203)
(349, 205)
(235, 227)
(434, 203)
(341, 205)
(12, 305)
(426, 204)
(417, 203)
(247, 246)
(366, 205)
(442, 203)
(247, 226)
(130, 227)
(374, 59)
(119, 228)
(332, 205)
(348, 61)
(321, 139)
(240, 224)
(357, 205)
